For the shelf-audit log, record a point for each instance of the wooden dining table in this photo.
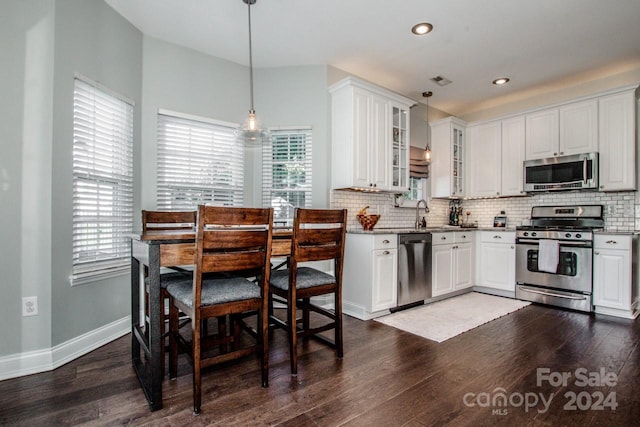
(155, 249)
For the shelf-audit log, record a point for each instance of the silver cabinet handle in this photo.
(611, 242)
(512, 246)
(443, 238)
(386, 253)
(385, 241)
(596, 253)
(497, 237)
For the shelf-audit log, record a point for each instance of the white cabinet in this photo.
(370, 274)
(513, 154)
(579, 127)
(615, 280)
(370, 133)
(447, 158)
(542, 134)
(399, 148)
(569, 129)
(484, 144)
(496, 261)
(617, 127)
(452, 262)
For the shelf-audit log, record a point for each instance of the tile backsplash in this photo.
(619, 208)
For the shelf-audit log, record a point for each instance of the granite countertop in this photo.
(391, 230)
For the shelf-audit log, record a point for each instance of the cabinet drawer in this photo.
(612, 241)
(497, 236)
(463, 236)
(442, 238)
(385, 241)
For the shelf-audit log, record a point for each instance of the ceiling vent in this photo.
(441, 81)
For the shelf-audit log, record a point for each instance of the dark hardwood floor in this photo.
(387, 378)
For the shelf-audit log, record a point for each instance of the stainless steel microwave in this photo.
(578, 171)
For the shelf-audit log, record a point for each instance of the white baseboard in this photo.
(33, 362)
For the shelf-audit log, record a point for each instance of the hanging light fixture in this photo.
(427, 150)
(251, 132)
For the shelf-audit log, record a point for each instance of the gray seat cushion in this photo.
(216, 291)
(167, 279)
(307, 278)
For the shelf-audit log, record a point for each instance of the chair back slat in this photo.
(232, 261)
(168, 220)
(318, 253)
(235, 216)
(319, 236)
(234, 239)
(320, 216)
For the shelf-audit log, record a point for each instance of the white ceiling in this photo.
(536, 43)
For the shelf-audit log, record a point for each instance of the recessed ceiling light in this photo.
(501, 81)
(421, 28)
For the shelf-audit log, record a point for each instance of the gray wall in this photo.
(26, 85)
(43, 43)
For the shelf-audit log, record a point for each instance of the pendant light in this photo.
(427, 150)
(252, 132)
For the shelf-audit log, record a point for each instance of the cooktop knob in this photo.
(534, 234)
(578, 236)
(526, 233)
(568, 235)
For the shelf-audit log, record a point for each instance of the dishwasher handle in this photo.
(414, 238)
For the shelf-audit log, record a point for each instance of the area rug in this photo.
(445, 319)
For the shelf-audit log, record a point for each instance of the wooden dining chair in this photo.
(229, 241)
(318, 235)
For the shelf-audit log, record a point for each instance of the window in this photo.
(286, 172)
(102, 182)
(199, 162)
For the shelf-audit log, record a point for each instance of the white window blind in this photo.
(102, 183)
(286, 172)
(199, 162)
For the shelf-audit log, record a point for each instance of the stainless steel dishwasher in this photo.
(414, 269)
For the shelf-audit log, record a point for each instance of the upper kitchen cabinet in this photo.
(447, 158)
(569, 129)
(617, 139)
(399, 147)
(513, 153)
(370, 134)
(484, 143)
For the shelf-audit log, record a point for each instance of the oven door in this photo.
(574, 272)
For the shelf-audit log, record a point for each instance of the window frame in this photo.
(188, 142)
(102, 171)
(268, 162)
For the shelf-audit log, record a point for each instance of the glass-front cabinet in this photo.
(447, 158)
(399, 148)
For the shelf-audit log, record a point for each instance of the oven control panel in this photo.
(582, 235)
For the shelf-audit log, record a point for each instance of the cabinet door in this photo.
(542, 134)
(579, 127)
(361, 137)
(442, 265)
(612, 279)
(385, 278)
(512, 156)
(463, 266)
(483, 145)
(617, 142)
(378, 143)
(497, 263)
(399, 148)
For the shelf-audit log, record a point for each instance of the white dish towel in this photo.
(548, 255)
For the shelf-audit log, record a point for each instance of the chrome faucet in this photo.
(426, 210)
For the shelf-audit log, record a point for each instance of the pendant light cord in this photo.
(250, 58)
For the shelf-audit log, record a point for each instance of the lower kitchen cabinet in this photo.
(496, 262)
(452, 262)
(370, 275)
(615, 277)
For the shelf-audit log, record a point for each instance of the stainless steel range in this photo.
(554, 256)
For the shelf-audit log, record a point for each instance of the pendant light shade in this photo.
(252, 132)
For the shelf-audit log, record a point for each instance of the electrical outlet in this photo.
(29, 306)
